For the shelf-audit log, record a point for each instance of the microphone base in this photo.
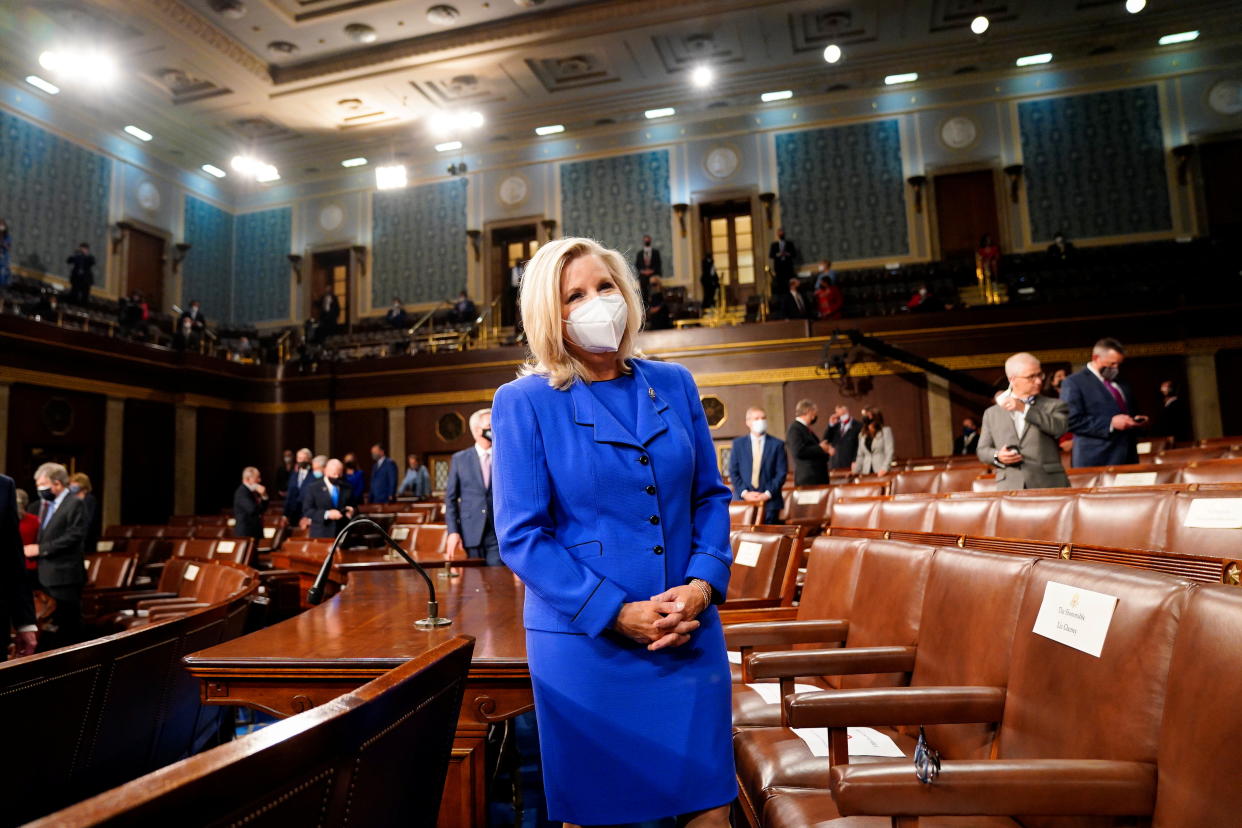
(449, 572)
(432, 622)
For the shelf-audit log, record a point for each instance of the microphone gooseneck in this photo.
(314, 595)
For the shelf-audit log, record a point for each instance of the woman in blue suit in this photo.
(610, 508)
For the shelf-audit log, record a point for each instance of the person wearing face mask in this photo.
(757, 466)
(875, 444)
(1173, 418)
(810, 453)
(1020, 432)
(383, 476)
(965, 442)
(354, 477)
(80, 487)
(1061, 250)
(647, 264)
(325, 500)
(59, 550)
(610, 508)
(249, 502)
(396, 316)
(784, 256)
(1101, 410)
(468, 510)
(843, 432)
(298, 477)
(286, 468)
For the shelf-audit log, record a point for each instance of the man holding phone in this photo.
(1100, 409)
(1020, 432)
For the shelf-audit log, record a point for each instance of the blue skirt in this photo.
(627, 735)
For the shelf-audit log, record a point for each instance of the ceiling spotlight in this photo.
(551, 129)
(391, 177)
(832, 53)
(213, 170)
(1135, 6)
(783, 95)
(448, 123)
(979, 25)
(1032, 60)
(140, 134)
(448, 146)
(1180, 37)
(266, 173)
(906, 77)
(354, 162)
(94, 67)
(243, 164)
(39, 83)
(702, 76)
(663, 112)
(361, 33)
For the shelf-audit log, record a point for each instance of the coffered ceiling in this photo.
(306, 83)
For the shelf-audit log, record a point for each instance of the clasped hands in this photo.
(752, 496)
(666, 620)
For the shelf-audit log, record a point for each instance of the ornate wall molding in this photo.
(195, 25)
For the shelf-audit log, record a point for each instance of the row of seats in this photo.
(185, 585)
(943, 637)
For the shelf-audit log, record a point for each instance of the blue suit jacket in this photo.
(591, 515)
(1091, 409)
(293, 496)
(467, 503)
(773, 467)
(384, 481)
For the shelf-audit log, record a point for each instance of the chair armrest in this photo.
(1061, 787)
(729, 617)
(780, 633)
(164, 602)
(169, 610)
(876, 706)
(841, 662)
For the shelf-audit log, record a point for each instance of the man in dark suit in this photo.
(59, 550)
(647, 264)
(383, 476)
(468, 495)
(965, 442)
(16, 602)
(81, 274)
(843, 431)
(810, 454)
(249, 501)
(1173, 418)
(1100, 410)
(757, 466)
(287, 467)
(792, 303)
(329, 315)
(325, 501)
(194, 313)
(784, 256)
(301, 474)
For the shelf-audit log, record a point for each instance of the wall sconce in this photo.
(473, 235)
(117, 234)
(295, 262)
(1183, 154)
(767, 199)
(680, 210)
(359, 252)
(1014, 172)
(180, 251)
(549, 227)
(917, 183)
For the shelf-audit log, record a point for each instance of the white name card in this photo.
(191, 572)
(1135, 479)
(87, 564)
(225, 547)
(232, 522)
(103, 546)
(400, 532)
(735, 657)
(770, 692)
(1075, 617)
(921, 468)
(1214, 513)
(1144, 447)
(808, 498)
(862, 741)
(747, 553)
(269, 532)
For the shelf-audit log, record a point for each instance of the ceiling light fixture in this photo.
(138, 132)
(448, 146)
(832, 53)
(391, 177)
(702, 76)
(980, 25)
(213, 170)
(354, 162)
(1180, 37)
(254, 168)
(905, 77)
(93, 66)
(450, 123)
(783, 95)
(267, 173)
(1032, 60)
(550, 129)
(663, 112)
(1135, 6)
(39, 83)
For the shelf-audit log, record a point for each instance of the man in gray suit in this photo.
(59, 550)
(468, 495)
(1020, 432)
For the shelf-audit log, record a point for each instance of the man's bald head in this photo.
(1021, 365)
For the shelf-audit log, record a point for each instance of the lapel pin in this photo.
(651, 393)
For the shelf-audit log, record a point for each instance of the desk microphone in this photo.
(314, 595)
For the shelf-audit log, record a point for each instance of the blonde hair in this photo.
(541, 309)
(82, 480)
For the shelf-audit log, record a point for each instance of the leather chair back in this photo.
(1181, 539)
(875, 488)
(118, 531)
(146, 531)
(171, 574)
(856, 514)
(984, 483)
(1194, 454)
(965, 516)
(760, 563)
(1215, 471)
(958, 478)
(914, 482)
(196, 549)
(905, 515)
(809, 505)
(182, 520)
(178, 532)
(1034, 517)
(742, 513)
(831, 576)
(1083, 478)
(411, 518)
(430, 540)
(1139, 474)
(110, 570)
(1133, 520)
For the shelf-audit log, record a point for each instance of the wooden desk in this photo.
(368, 629)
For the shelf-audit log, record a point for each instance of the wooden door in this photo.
(331, 269)
(965, 212)
(728, 234)
(144, 267)
(511, 247)
(1221, 163)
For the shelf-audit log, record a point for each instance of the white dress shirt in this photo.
(1018, 417)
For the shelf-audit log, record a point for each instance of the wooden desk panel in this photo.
(368, 629)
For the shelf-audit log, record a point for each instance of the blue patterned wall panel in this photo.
(616, 200)
(207, 274)
(842, 192)
(1094, 164)
(54, 195)
(418, 236)
(261, 270)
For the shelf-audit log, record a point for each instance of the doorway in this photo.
(330, 270)
(144, 266)
(965, 213)
(1221, 165)
(511, 248)
(727, 229)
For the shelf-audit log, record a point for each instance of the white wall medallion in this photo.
(722, 161)
(148, 196)
(959, 132)
(331, 216)
(513, 190)
(1225, 96)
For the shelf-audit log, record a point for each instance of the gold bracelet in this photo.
(705, 588)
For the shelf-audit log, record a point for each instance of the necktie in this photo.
(336, 496)
(1118, 396)
(485, 463)
(757, 451)
(798, 298)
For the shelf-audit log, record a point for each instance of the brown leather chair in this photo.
(430, 541)
(965, 516)
(1035, 517)
(178, 532)
(1136, 520)
(110, 570)
(1185, 540)
(411, 518)
(1195, 454)
(984, 483)
(914, 482)
(808, 506)
(743, 513)
(859, 513)
(182, 520)
(764, 569)
(1213, 471)
(874, 487)
(959, 478)
(1083, 478)
(899, 515)
(1140, 474)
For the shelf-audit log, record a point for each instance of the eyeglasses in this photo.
(926, 760)
(1040, 376)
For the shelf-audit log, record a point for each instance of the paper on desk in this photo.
(771, 693)
(1214, 513)
(747, 553)
(735, 657)
(863, 741)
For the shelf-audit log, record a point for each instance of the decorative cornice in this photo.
(193, 24)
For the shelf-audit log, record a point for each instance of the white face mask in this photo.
(598, 325)
(758, 427)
